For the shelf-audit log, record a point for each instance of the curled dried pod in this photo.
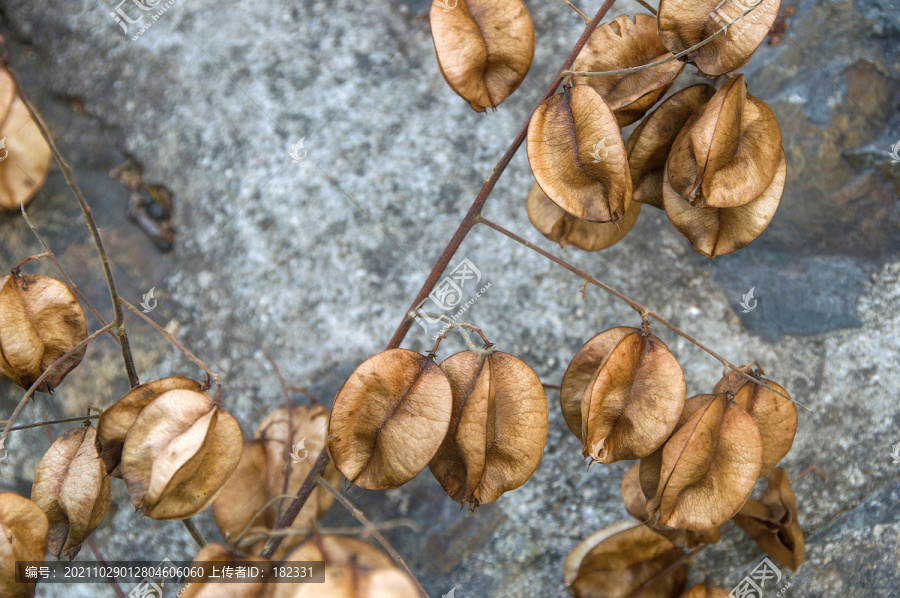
(707, 469)
(617, 560)
(23, 537)
(72, 488)
(40, 321)
(772, 521)
(24, 154)
(577, 155)
(633, 399)
(561, 227)
(389, 419)
(352, 568)
(484, 48)
(624, 43)
(178, 454)
(498, 427)
(209, 563)
(650, 143)
(685, 23)
(116, 420)
(704, 590)
(729, 151)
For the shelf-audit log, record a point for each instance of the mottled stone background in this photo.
(317, 261)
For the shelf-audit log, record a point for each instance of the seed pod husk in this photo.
(561, 227)
(704, 590)
(617, 560)
(707, 469)
(484, 48)
(178, 454)
(352, 568)
(116, 420)
(772, 521)
(686, 23)
(389, 418)
(498, 427)
(624, 43)
(26, 155)
(650, 143)
(23, 537)
(210, 561)
(577, 155)
(72, 488)
(40, 321)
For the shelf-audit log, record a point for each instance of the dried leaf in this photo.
(577, 155)
(40, 320)
(23, 537)
(389, 418)
(772, 521)
(24, 153)
(561, 227)
(178, 454)
(617, 560)
(116, 420)
(625, 43)
(484, 48)
(685, 23)
(210, 560)
(498, 427)
(649, 144)
(704, 590)
(708, 467)
(72, 488)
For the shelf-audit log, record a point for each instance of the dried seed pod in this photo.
(636, 505)
(685, 23)
(707, 468)
(23, 537)
(24, 155)
(772, 521)
(649, 144)
(389, 418)
(624, 43)
(210, 561)
(40, 321)
(352, 568)
(178, 454)
(615, 561)
(116, 420)
(728, 152)
(498, 427)
(484, 49)
(72, 488)
(561, 227)
(577, 155)
(704, 590)
(632, 401)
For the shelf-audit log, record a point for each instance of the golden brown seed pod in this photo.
(650, 143)
(561, 227)
(772, 521)
(40, 321)
(484, 48)
(703, 474)
(116, 420)
(25, 155)
(685, 23)
(72, 488)
(497, 430)
(389, 418)
(210, 561)
(23, 537)
(352, 568)
(774, 415)
(178, 454)
(624, 43)
(577, 155)
(617, 560)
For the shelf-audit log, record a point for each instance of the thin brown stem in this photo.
(469, 219)
(586, 18)
(370, 527)
(54, 421)
(28, 259)
(648, 6)
(194, 532)
(109, 578)
(95, 233)
(288, 461)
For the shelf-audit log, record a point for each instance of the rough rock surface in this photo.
(318, 260)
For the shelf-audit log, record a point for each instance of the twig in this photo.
(370, 527)
(462, 328)
(195, 533)
(647, 6)
(288, 461)
(259, 513)
(55, 421)
(644, 311)
(111, 579)
(586, 18)
(384, 525)
(95, 233)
